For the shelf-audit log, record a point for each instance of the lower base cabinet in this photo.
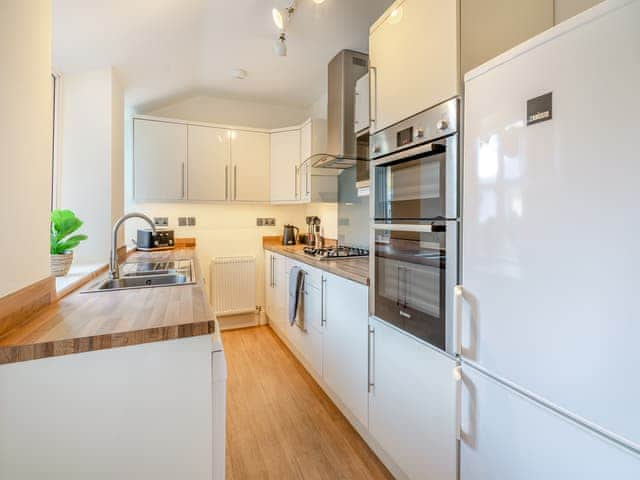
(409, 411)
(346, 343)
(412, 405)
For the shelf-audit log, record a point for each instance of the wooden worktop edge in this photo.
(17, 307)
(21, 353)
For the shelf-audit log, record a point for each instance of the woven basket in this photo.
(60, 264)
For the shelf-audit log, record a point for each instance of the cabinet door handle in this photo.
(296, 180)
(398, 268)
(226, 182)
(235, 182)
(307, 178)
(370, 360)
(182, 182)
(373, 84)
(323, 294)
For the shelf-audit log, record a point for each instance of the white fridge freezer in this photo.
(549, 305)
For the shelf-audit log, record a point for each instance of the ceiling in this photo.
(167, 50)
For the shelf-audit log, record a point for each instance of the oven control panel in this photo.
(437, 122)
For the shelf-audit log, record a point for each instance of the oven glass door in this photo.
(422, 186)
(414, 273)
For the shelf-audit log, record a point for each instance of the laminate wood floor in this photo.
(280, 424)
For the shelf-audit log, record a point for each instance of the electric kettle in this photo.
(290, 235)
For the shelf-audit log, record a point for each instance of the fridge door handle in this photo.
(458, 293)
(371, 353)
(457, 376)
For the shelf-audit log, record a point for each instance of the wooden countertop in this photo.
(355, 269)
(83, 322)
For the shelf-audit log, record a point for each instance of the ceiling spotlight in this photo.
(318, 2)
(281, 16)
(280, 46)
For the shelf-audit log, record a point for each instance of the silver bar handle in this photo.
(370, 359)
(323, 295)
(398, 285)
(296, 180)
(401, 227)
(226, 182)
(373, 85)
(182, 182)
(307, 178)
(235, 182)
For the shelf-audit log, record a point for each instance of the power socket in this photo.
(191, 221)
(161, 221)
(259, 222)
(182, 221)
(270, 222)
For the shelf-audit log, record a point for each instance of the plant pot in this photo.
(61, 263)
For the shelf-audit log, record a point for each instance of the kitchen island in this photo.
(116, 384)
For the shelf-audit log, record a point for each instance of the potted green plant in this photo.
(63, 224)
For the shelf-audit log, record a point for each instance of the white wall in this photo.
(25, 142)
(90, 168)
(565, 9)
(232, 112)
(318, 109)
(223, 230)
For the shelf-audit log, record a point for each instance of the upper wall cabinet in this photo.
(491, 27)
(250, 163)
(285, 162)
(315, 184)
(209, 155)
(413, 53)
(160, 160)
(362, 104)
(174, 160)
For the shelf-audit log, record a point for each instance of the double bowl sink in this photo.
(148, 274)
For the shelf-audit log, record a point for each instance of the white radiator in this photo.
(233, 285)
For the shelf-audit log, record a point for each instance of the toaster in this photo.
(160, 240)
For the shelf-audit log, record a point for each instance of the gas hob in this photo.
(334, 253)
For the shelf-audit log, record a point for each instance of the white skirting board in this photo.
(233, 285)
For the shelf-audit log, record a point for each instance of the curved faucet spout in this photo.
(114, 268)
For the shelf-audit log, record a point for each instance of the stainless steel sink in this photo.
(148, 274)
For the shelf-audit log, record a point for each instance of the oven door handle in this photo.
(409, 228)
(427, 148)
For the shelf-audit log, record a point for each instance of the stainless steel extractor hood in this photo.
(345, 68)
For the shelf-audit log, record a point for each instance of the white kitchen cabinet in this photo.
(250, 166)
(268, 285)
(361, 121)
(285, 162)
(345, 358)
(160, 160)
(413, 53)
(276, 289)
(412, 405)
(208, 163)
(315, 184)
(81, 416)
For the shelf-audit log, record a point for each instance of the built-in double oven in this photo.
(415, 185)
